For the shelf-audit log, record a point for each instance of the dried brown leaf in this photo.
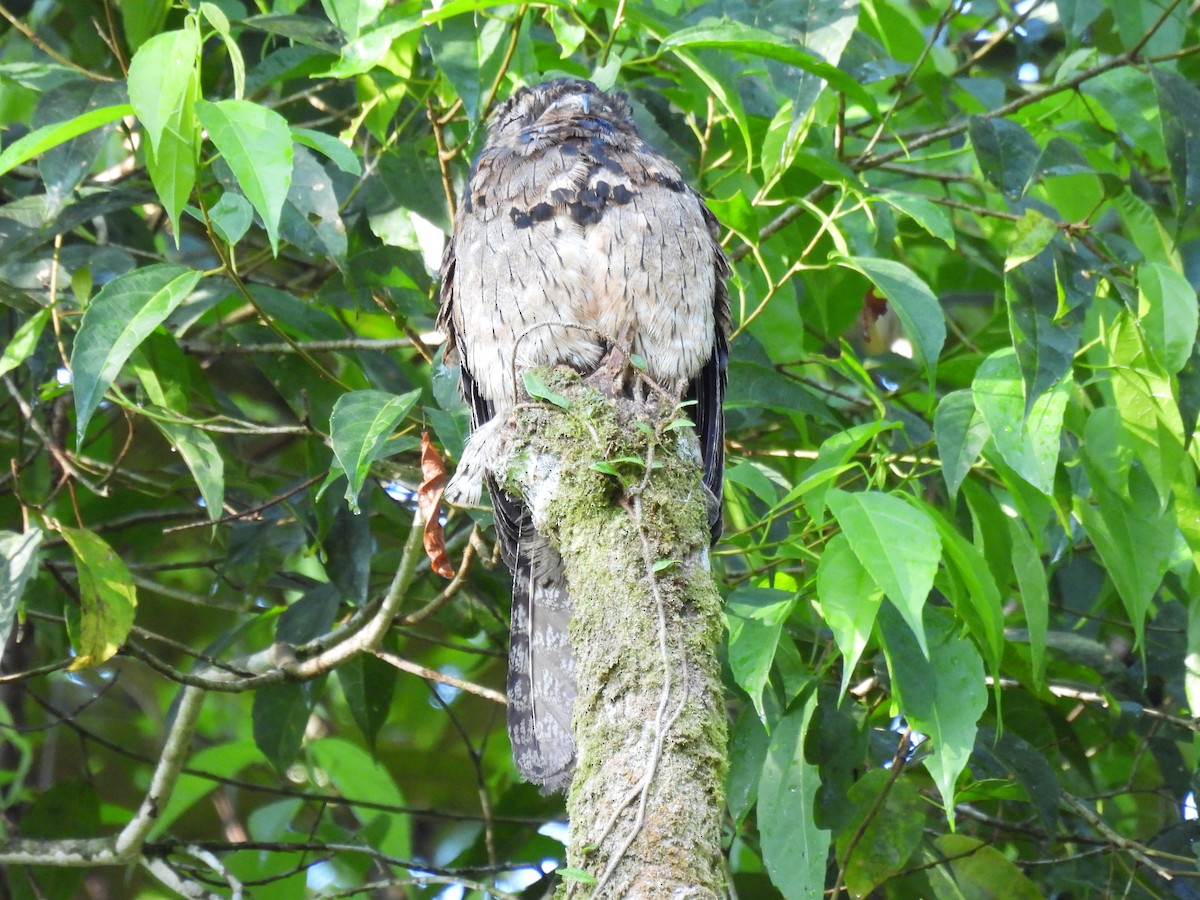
(429, 500)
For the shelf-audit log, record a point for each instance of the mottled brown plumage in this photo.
(574, 240)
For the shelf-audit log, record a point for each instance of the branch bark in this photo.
(646, 802)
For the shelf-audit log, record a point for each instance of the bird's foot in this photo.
(615, 375)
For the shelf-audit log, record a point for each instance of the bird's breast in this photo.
(552, 269)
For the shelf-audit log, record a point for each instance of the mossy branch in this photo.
(616, 487)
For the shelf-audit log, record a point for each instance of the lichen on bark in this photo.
(647, 797)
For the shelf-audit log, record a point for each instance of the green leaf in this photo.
(1179, 105)
(1027, 766)
(1035, 596)
(729, 99)
(1006, 152)
(164, 84)
(887, 832)
(736, 37)
(231, 217)
(961, 434)
(354, 773)
(162, 76)
(912, 300)
(142, 20)
(897, 544)
(162, 370)
(120, 317)
(794, 849)
(256, 143)
(941, 696)
(748, 744)
(1168, 312)
(352, 16)
(1046, 309)
(64, 167)
(1034, 232)
(49, 136)
(280, 716)
(755, 618)
(834, 458)
(1135, 537)
(18, 563)
(468, 53)
(329, 146)
(849, 600)
(311, 219)
(203, 459)
(1029, 444)
(929, 215)
(369, 50)
(220, 22)
(360, 426)
(982, 872)
(107, 600)
(1145, 399)
(983, 610)
(536, 387)
(369, 684)
(572, 874)
(24, 341)
(172, 161)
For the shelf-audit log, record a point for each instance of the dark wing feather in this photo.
(708, 388)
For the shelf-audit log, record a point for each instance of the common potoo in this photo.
(576, 241)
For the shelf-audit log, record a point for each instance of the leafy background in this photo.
(962, 525)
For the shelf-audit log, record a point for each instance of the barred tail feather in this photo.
(541, 669)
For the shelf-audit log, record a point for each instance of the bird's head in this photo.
(563, 105)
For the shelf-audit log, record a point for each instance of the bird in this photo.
(575, 243)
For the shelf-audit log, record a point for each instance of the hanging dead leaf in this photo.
(429, 499)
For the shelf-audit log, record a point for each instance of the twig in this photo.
(1134, 849)
(441, 677)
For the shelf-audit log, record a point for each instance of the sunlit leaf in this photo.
(738, 37)
(329, 146)
(117, 320)
(161, 77)
(360, 426)
(897, 544)
(1029, 444)
(200, 454)
(1167, 310)
(49, 136)
(256, 143)
(755, 618)
(849, 600)
(24, 341)
(354, 773)
(100, 623)
(18, 563)
(1145, 401)
(961, 434)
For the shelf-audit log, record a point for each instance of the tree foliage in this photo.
(962, 522)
